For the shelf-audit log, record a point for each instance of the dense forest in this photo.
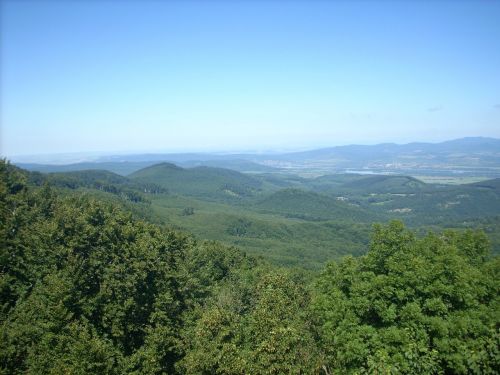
(90, 285)
(288, 219)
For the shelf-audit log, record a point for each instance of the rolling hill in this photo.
(122, 168)
(125, 167)
(286, 218)
(206, 182)
(306, 205)
(384, 183)
(458, 149)
(493, 184)
(345, 183)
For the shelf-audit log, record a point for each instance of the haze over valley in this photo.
(469, 157)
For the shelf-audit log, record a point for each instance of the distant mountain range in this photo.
(474, 156)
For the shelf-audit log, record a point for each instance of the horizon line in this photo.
(247, 151)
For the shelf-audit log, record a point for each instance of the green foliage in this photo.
(101, 180)
(85, 287)
(76, 269)
(188, 211)
(412, 306)
(263, 330)
(239, 228)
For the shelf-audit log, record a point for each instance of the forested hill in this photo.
(287, 219)
(87, 289)
(205, 182)
(312, 206)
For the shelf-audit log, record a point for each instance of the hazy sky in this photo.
(207, 75)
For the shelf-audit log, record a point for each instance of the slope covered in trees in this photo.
(207, 182)
(86, 288)
(286, 218)
(312, 206)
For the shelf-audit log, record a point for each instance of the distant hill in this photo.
(311, 206)
(451, 149)
(408, 198)
(366, 183)
(90, 175)
(239, 165)
(105, 181)
(488, 184)
(125, 168)
(207, 182)
(122, 168)
(474, 156)
(467, 156)
(438, 203)
(384, 183)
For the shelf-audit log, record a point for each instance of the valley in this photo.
(288, 219)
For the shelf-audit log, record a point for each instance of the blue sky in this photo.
(112, 76)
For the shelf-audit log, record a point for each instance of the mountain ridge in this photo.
(470, 156)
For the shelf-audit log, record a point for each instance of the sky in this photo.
(171, 76)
